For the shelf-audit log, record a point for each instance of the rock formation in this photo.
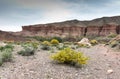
(74, 28)
(7, 36)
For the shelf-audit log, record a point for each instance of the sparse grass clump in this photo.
(70, 56)
(26, 52)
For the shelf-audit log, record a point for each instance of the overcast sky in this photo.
(16, 13)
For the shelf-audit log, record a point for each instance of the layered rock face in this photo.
(7, 36)
(51, 31)
(74, 28)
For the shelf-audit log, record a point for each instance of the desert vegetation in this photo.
(6, 53)
(58, 52)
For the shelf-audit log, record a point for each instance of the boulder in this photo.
(85, 41)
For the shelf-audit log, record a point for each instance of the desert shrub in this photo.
(35, 45)
(44, 47)
(94, 42)
(1, 61)
(114, 44)
(9, 47)
(5, 54)
(17, 43)
(9, 42)
(83, 45)
(54, 42)
(38, 38)
(61, 47)
(26, 52)
(2, 48)
(69, 56)
(46, 43)
(103, 39)
(58, 38)
(112, 35)
(27, 44)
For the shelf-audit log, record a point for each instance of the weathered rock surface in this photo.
(98, 27)
(10, 37)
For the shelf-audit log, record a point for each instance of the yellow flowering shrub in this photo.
(54, 42)
(46, 43)
(94, 42)
(69, 56)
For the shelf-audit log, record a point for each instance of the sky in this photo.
(17, 13)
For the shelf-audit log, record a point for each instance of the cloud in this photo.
(15, 13)
(50, 10)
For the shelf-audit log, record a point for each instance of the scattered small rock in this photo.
(109, 71)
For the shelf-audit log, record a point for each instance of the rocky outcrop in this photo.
(74, 28)
(8, 36)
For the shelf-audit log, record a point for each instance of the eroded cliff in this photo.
(98, 27)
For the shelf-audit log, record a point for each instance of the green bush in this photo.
(5, 55)
(45, 47)
(1, 61)
(61, 47)
(54, 42)
(29, 44)
(2, 48)
(70, 56)
(35, 45)
(26, 52)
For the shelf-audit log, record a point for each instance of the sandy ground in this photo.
(40, 66)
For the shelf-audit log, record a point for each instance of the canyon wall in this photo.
(72, 31)
(75, 28)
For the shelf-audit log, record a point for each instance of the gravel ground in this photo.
(103, 64)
